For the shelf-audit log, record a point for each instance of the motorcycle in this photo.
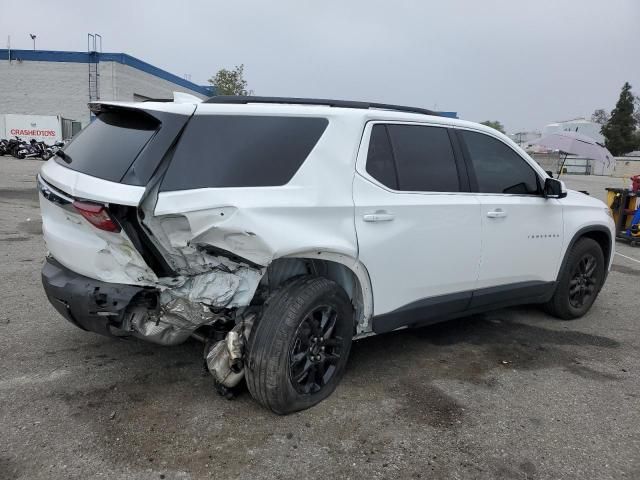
(31, 150)
(14, 144)
(51, 150)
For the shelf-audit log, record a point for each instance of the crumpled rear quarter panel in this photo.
(313, 211)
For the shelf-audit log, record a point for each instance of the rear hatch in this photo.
(90, 192)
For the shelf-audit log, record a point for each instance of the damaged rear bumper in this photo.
(87, 303)
(159, 315)
(118, 310)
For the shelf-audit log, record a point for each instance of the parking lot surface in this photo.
(510, 394)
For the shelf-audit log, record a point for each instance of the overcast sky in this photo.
(523, 62)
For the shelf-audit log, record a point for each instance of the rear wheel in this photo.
(579, 282)
(299, 348)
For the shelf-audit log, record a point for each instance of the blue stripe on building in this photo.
(85, 57)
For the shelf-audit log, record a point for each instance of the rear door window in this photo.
(241, 151)
(424, 157)
(498, 168)
(110, 144)
(380, 162)
(412, 158)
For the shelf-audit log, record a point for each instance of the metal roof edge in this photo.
(122, 58)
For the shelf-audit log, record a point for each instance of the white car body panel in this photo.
(75, 243)
(80, 185)
(414, 244)
(525, 244)
(584, 212)
(260, 224)
(79, 246)
(411, 257)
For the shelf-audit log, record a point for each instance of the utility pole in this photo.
(33, 37)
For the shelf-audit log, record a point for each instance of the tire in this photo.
(574, 283)
(281, 347)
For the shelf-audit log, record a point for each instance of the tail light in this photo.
(97, 215)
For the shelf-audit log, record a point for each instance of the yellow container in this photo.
(632, 204)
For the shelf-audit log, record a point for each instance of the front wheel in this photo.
(299, 348)
(579, 282)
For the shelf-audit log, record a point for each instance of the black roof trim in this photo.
(237, 99)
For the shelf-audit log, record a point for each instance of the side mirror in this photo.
(554, 188)
(549, 172)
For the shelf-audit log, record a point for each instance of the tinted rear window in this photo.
(380, 163)
(412, 158)
(109, 145)
(424, 158)
(241, 151)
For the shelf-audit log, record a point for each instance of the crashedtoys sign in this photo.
(44, 128)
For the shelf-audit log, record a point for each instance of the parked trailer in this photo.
(43, 128)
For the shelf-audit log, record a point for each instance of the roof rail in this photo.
(239, 99)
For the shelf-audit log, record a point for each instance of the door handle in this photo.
(379, 216)
(497, 213)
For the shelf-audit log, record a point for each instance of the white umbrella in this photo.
(577, 144)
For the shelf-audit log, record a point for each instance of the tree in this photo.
(619, 131)
(494, 124)
(636, 140)
(600, 116)
(230, 82)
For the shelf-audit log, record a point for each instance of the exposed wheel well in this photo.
(282, 269)
(603, 240)
(600, 235)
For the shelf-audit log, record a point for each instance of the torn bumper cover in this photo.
(162, 314)
(167, 318)
(87, 303)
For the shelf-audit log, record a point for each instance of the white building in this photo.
(580, 125)
(43, 82)
(524, 138)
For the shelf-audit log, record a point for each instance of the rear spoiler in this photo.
(181, 97)
(178, 97)
(135, 108)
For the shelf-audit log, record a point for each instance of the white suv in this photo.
(277, 230)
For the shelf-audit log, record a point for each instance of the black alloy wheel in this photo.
(583, 283)
(579, 281)
(315, 350)
(298, 350)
